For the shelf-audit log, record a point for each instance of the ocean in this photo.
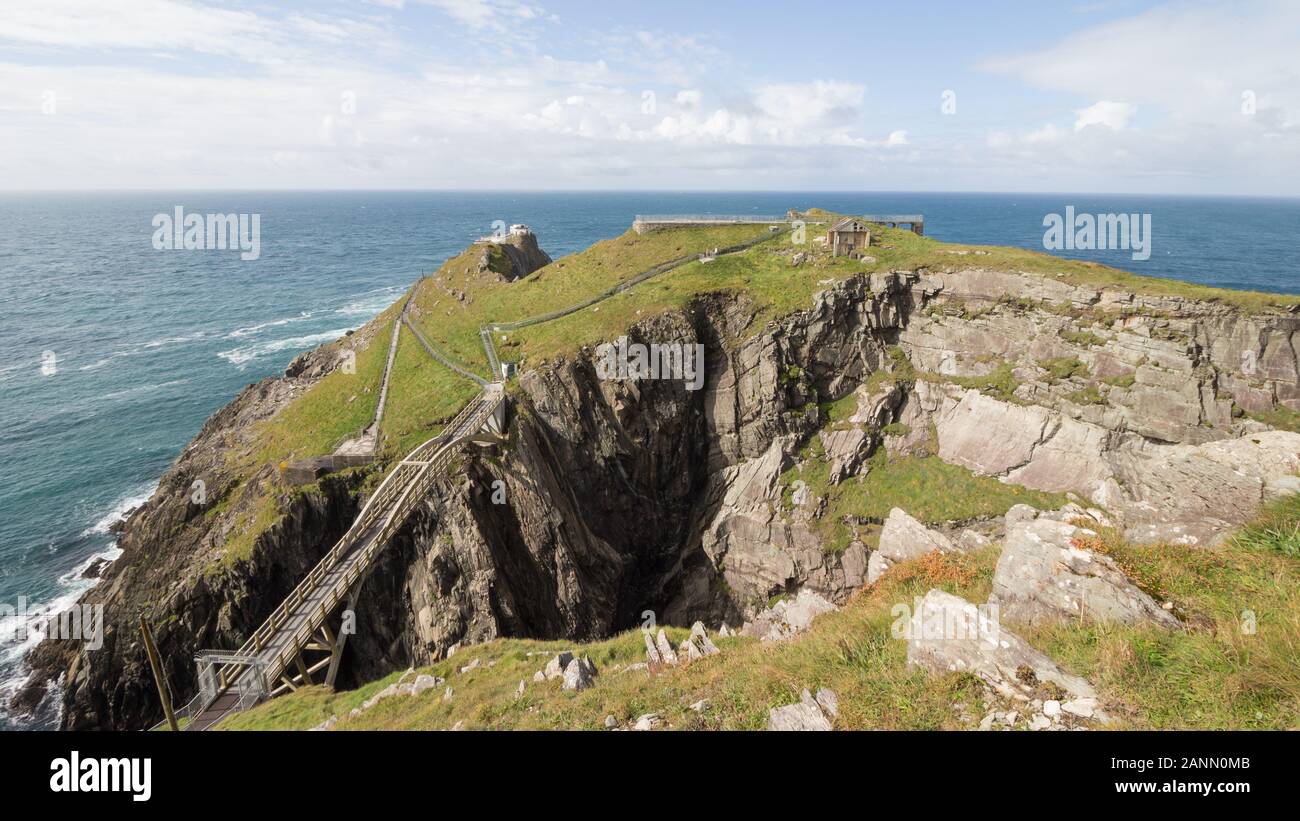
(116, 352)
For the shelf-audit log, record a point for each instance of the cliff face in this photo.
(617, 498)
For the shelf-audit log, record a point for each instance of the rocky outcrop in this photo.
(811, 713)
(759, 551)
(1167, 368)
(521, 251)
(786, 619)
(623, 497)
(1046, 574)
(1194, 492)
(949, 634)
(902, 539)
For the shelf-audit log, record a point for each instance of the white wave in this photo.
(370, 303)
(21, 631)
(240, 333)
(171, 340)
(142, 389)
(123, 506)
(142, 347)
(244, 355)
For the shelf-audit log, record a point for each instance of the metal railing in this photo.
(381, 516)
(718, 218)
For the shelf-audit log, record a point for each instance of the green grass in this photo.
(1234, 667)
(1064, 367)
(423, 394)
(337, 407)
(998, 383)
(1083, 338)
(1280, 417)
(1276, 530)
(926, 487)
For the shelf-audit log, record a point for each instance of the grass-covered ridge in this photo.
(1234, 667)
(451, 306)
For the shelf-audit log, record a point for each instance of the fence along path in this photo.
(230, 682)
(261, 668)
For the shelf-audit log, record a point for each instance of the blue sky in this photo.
(1108, 96)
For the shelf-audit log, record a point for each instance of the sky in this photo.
(1106, 96)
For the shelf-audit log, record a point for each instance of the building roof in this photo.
(849, 224)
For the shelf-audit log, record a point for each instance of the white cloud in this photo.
(689, 98)
(1114, 116)
(496, 14)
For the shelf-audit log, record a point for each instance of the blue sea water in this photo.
(147, 343)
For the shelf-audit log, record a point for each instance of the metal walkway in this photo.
(272, 661)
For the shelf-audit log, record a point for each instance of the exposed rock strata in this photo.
(634, 496)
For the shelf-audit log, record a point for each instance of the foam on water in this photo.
(243, 355)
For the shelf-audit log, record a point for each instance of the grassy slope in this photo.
(423, 393)
(1212, 675)
(319, 420)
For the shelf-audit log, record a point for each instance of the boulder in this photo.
(424, 682)
(787, 618)
(666, 653)
(579, 675)
(949, 634)
(846, 450)
(904, 538)
(806, 715)
(557, 665)
(649, 721)
(689, 651)
(1045, 575)
(651, 652)
(700, 638)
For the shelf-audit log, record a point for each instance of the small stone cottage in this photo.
(849, 237)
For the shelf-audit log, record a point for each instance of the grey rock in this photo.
(806, 715)
(948, 633)
(649, 721)
(904, 538)
(610, 722)
(700, 638)
(651, 651)
(1043, 575)
(557, 665)
(424, 682)
(579, 675)
(689, 650)
(666, 653)
(788, 618)
(828, 701)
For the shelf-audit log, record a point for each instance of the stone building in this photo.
(849, 237)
